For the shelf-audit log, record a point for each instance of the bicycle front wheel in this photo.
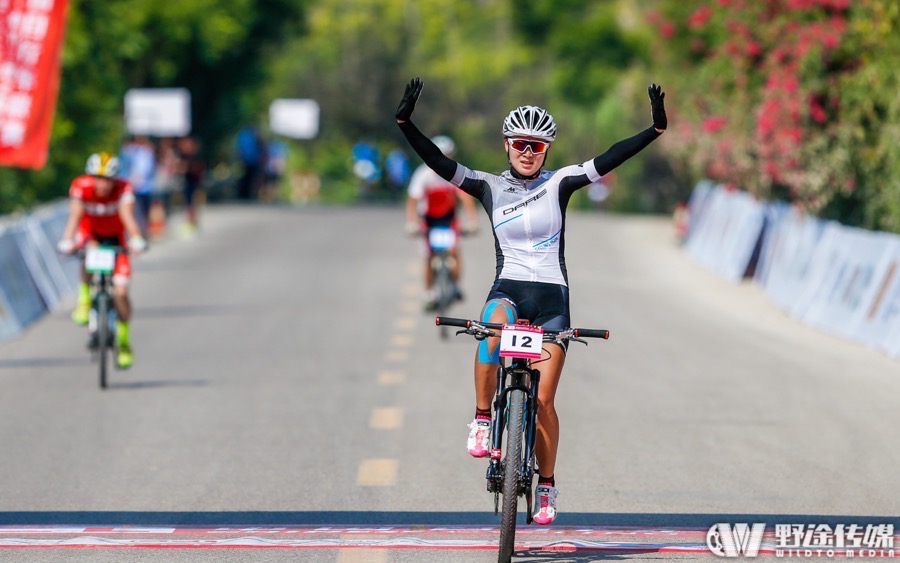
(103, 335)
(511, 469)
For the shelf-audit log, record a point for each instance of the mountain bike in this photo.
(441, 240)
(100, 261)
(515, 411)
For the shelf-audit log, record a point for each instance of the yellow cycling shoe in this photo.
(82, 313)
(125, 358)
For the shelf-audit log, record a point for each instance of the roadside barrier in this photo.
(724, 231)
(34, 278)
(840, 279)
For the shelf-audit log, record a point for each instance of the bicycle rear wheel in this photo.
(444, 287)
(103, 335)
(512, 465)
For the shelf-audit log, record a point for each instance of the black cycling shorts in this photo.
(542, 304)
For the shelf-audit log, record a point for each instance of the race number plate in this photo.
(521, 341)
(100, 260)
(441, 238)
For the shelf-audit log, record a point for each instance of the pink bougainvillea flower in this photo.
(699, 18)
(667, 29)
(817, 112)
(714, 124)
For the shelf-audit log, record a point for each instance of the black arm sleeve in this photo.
(623, 150)
(428, 151)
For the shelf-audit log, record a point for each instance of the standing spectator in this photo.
(251, 151)
(193, 169)
(167, 171)
(366, 167)
(139, 169)
(276, 164)
(398, 168)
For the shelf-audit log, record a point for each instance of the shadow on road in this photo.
(44, 362)
(539, 556)
(157, 384)
(384, 518)
(181, 311)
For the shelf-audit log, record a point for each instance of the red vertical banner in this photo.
(31, 38)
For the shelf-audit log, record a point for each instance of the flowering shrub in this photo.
(760, 92)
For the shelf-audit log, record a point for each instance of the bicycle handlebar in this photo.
(450, 321)
(575, 332)
(82, 252)
(592, 333)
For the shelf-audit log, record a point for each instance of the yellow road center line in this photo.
(362, 555)
(405, 323)
(386, 418)
(377, 473)
(391, 377)
(401, 341)
(396, 355)
(414, 268)
(411, 290)
(410, 307)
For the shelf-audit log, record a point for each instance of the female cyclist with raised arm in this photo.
(527, 209)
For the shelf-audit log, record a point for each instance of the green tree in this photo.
(217, 49)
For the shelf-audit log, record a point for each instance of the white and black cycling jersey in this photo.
(528, 216)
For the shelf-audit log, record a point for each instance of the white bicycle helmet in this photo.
(530, 121)
(445, 143)
(102, 164)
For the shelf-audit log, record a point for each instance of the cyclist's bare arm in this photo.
(76, 212)
(412, 215)
(126, 213)
(468, 203)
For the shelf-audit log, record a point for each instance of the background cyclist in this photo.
(101, 209)
(526, 205)
(432, 202)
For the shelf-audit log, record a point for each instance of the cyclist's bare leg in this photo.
(122, 302)
(456, 270)
(429, 274)
(486, 357)
(547, 438)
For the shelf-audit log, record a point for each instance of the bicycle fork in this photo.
(517, 374)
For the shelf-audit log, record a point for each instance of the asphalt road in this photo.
(288, 385)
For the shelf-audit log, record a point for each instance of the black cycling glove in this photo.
(408, 103)
(657, 107)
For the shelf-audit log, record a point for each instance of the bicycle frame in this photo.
(441, 242)
(523, 378)
(103, 310)
(515, 378)
(442, 263)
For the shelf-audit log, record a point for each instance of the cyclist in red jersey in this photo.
(431, 203)
(101, 209)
